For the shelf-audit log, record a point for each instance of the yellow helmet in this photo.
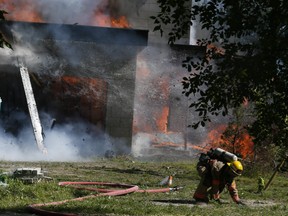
(236, 167)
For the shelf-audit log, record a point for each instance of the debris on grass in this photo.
(26, 175)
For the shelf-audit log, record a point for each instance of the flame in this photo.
(87, 96)
(108, 21)
(162, 119)
(150, 119)
(101, 20)
(23, 10)
(27, 11)
(218, 50)
(120, 22)
(239, 142)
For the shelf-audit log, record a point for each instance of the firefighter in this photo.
(261, 185)
(215, 177)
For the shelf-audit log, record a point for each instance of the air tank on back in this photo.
(223, 155)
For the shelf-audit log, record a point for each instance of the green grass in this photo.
(147, 175)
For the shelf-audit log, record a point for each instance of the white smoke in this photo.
(55, 11)
(80, 12)
(71, 141)
(65, 141)
(68, 11)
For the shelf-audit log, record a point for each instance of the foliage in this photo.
(3, 41)
(245, 59)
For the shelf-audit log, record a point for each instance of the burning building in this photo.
(102, 80)
(94, 82)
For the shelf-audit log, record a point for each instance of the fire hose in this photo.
(125, 189)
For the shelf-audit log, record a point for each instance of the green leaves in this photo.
(2, 12)
(3, 41)
(245, 58)
(175, 14)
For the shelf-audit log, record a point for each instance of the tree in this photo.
(3, 41)
(245, 59)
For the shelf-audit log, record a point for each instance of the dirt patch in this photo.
(192, 203)
(178, 202)
(260, 203)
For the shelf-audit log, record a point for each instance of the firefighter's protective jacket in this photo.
(215, 178)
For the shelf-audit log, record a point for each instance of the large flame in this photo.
(238, 142)
(151, 91)
(27, 11)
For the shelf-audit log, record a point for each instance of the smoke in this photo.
(53, 11)
(82, 12)
(70, 141)
(160, 110)
(74, 138)
(159, 106)
(75, 11)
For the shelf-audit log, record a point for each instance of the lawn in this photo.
(147, 175)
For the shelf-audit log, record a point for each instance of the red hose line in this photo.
(160, 190)
(36, 208)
